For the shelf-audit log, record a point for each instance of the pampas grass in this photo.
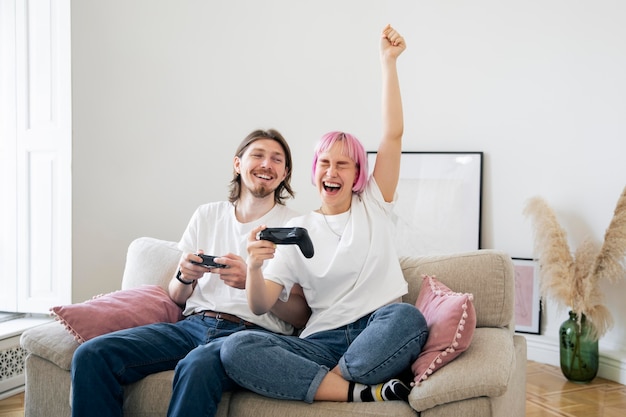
(573, 279)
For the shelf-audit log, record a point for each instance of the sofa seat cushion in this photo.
(151, 396)
(248, 404)
(480, 371)
(51, 342)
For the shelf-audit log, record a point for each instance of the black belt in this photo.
(225, 316)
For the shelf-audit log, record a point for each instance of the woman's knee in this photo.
(406, 328)
(404, 316)
(242, 345)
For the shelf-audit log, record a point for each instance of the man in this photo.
(215, 303)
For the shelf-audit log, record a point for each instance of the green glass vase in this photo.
(578, 350)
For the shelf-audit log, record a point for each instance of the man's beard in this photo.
(260, 191)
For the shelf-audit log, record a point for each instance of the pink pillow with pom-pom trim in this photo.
(116, 311)
(451, 320)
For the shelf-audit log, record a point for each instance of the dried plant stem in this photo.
(573, 280)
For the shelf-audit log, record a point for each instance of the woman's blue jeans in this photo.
(371, 350)
(103, 365)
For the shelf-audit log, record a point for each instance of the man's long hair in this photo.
(284, 190)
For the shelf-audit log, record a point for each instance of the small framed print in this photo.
(527, 298)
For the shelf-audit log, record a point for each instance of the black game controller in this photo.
(289, 236)
(208, 261)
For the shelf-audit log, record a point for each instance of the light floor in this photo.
(548, 394)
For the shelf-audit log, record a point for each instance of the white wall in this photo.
(163, 91)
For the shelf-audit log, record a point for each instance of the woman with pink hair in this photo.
(360, 336)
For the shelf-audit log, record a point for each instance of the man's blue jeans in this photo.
(103, 365)
(371, 350)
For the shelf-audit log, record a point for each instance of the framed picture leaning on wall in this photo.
(527, 297)
(438, 206)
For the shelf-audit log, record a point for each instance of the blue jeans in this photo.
(371, 350)
(103, 365)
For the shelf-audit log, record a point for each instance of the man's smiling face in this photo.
(262, 167)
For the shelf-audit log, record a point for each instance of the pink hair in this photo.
(352, 148)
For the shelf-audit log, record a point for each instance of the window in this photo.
(35, 155)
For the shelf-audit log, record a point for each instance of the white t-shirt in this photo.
(215, 229)
(348, 276)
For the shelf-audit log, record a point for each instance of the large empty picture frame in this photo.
(438, 209)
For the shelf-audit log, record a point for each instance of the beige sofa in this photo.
(486, 380)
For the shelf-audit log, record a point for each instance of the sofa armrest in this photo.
(150, 261)
(51, 342)
(483, 370)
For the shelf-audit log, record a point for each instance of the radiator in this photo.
(12, 358)
(12, 355)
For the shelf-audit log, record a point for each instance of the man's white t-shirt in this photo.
(353, 272)
(215, 229)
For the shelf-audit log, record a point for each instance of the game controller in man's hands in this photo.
(289, 236)
(208, 261)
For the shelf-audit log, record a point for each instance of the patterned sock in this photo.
(391, 390)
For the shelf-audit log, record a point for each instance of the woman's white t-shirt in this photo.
(353, 272)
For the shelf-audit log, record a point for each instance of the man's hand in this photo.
(189, 268)
(235, 273)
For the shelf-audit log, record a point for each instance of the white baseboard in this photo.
(17, 389)
(546, 350)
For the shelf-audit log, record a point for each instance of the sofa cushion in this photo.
(248, 404)
(451, 322)
(150, 396)
(150, 261)
(486, 273)
(116, 311)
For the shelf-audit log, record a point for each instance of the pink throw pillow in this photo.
(451, 320)
(118, 310)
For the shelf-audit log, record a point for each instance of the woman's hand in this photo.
(259, 250)
(262, 294)
(391, 43)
